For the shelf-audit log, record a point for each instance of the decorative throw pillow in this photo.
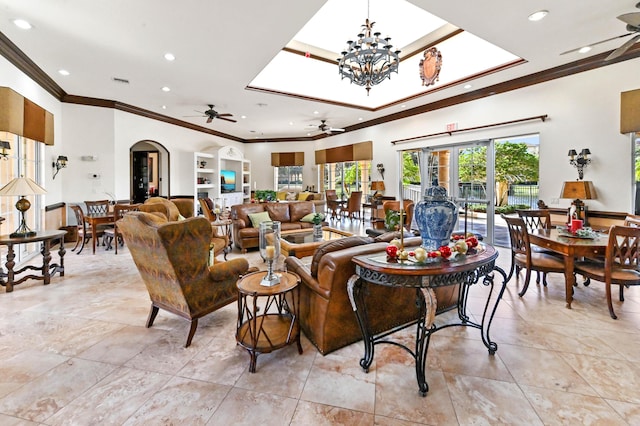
(257, 218)
(310, 216)
(291, 196)
(302, 196)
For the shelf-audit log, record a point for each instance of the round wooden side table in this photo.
(267, 316)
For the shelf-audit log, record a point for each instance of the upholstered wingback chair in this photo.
(172, 259)
(173, 209)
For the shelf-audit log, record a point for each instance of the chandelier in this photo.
(369, 60)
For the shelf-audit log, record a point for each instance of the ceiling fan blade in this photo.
(596, 43)
(632, 18)
(225, 115)
(209, 119)
(227, 119)
(620, 50)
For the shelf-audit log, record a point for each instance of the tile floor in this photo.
(76, 352)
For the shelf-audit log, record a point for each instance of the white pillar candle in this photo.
(270, 252)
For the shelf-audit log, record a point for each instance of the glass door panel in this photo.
(465, 171)
(475, 189)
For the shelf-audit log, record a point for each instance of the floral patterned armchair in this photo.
(172, 258)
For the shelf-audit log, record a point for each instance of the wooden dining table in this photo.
(570, 248)
(98, 219)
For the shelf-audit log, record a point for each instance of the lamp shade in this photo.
(582, 189)
(377, 185)
(22, 186)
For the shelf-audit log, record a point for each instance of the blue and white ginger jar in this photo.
(436, 217)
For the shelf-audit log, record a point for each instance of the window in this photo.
(23, 160)
(289, 178)
(347, 177)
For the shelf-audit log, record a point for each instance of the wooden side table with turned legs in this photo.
(267, 316)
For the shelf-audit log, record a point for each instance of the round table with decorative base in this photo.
(424, 277)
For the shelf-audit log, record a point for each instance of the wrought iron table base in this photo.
(426, 298)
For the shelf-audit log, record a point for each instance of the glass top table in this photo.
(302, 242)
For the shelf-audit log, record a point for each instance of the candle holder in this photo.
(269, 244)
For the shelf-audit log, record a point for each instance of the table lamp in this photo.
(22, 187)
(377, 185)
(578, 189)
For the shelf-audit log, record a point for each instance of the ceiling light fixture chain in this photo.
(369, 60)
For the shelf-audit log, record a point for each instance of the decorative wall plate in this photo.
(430, 66)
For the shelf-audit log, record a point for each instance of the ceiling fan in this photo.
(328, 129)
(633, 26)
(212, 113)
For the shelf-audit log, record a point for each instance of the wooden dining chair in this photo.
(112, 235)
(523, 257)
(536, 219)
(83, 229)
(354, 205)
(97, 207)
(332, 202)
(621, 262)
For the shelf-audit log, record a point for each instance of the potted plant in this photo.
(265, 195)
(317, 225)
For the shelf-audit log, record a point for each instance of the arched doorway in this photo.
(149, 165)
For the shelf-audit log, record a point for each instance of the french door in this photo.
(466, 171)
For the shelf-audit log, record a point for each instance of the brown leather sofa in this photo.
(326, 315)
(288, 214)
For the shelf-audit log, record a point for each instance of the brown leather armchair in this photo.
(172, 259)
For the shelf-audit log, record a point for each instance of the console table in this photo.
(424, 276)
(46, 270)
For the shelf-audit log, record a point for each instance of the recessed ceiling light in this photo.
(243, 116)
(403, 106)
(584, 49)
(316, 112)
(468, 86)
(166, 89)
(169, 56)
(539, 15)
(63, 72)
(359, 118)
(21, 23)
(164, 107)
(291, 123)
(308, 134)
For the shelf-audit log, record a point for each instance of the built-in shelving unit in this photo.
(232, 160)
(246, 181)
(204, 177)
(226, 174)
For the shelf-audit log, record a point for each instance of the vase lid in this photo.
(435, 193)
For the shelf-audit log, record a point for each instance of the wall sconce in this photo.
(380, 167)
(60, 163)
(579, 161)
(5, 146)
